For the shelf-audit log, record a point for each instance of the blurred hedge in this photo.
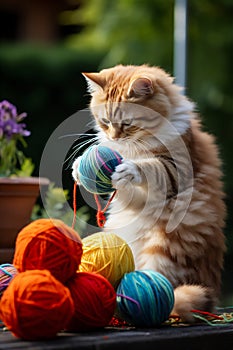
(45, 82)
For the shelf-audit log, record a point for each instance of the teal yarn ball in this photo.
(144, 298)
(96, 167)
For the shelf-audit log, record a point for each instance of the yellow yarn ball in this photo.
(108, 255)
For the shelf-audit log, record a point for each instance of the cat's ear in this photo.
(141, 87)
(95, 82)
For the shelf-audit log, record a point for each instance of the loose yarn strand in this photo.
(213, 319)
(131, 299)
(215, 322)
(206, 313)
(100, 216)
(74, 204)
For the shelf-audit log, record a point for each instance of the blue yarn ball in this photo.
(96, 167)
(144, 298)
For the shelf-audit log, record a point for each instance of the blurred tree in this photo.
(209, 70)
(129, 31)
(210, 56)
(34, 21)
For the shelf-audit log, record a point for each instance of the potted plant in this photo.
(18, 189)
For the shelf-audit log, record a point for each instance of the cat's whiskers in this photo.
(75, 134)
(77, 148)
(91, 124)
(84, 143)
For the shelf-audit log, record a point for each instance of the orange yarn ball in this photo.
(36, 305)
(48, 244)
(94, 301)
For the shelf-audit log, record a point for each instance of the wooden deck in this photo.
(198, 337)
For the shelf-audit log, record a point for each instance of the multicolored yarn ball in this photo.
(108, 255)
(94, 301)
(36, 305)
(48, 244)
(96, 167)
(7, 273)
(144, 298)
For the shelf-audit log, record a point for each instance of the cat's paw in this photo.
(126, 173)
(75, 169)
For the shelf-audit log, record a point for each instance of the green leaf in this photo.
(26, 168)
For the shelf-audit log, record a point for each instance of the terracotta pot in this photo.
(17, 198)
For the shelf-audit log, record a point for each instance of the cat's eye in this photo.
(127, 121)
(105, 121)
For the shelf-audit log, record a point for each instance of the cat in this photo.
(169, 204)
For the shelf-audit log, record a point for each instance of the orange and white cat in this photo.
(169, 204)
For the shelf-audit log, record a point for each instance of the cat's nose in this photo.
(115, 134)
(114, 138)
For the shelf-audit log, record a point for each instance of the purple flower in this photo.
(7, 110)
(10, 125)
(12, 132)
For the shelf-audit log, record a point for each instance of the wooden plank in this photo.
(199, 337)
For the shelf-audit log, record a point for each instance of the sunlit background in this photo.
(46, 44)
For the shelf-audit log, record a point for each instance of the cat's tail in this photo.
(192, 297)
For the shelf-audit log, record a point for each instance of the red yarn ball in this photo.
(94, 301)
(36, 305)
(48, 244)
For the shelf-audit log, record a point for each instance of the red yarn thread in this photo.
(100, 216)
(94, 301)
(206, 313)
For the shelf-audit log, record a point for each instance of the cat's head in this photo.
(132, 102)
